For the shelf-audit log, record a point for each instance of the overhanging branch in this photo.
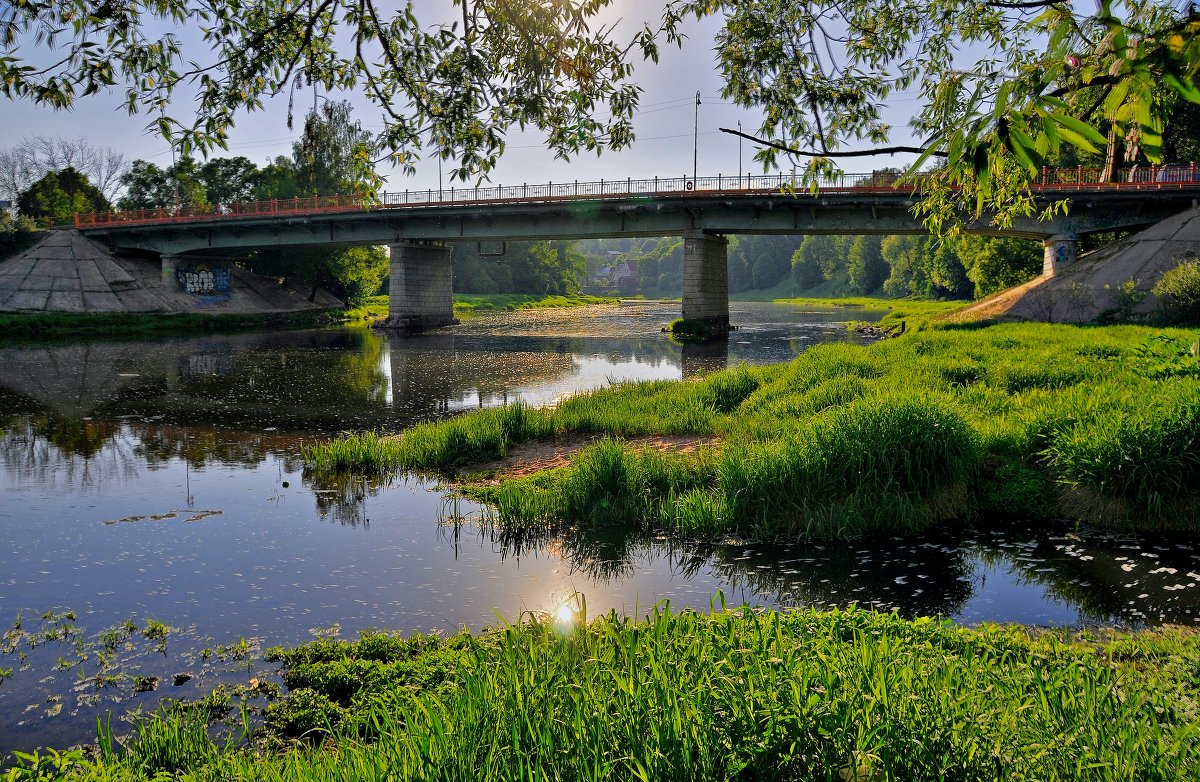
(845, 153)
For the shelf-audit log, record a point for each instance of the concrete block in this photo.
(101, 301)
(111, 272)
(65, 301)
(55, 268)
(66, 284)
(22, 265)
(90, 278)
(38, 282)
(47, 252)
(28, 300)
(138, 300)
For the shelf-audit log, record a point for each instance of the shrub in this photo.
(1179, 293)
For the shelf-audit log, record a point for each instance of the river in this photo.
(163, 480)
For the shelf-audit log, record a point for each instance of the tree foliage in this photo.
(1001, 84)
(147, 186)
(548, 268)
(33, 157)
(58, 196)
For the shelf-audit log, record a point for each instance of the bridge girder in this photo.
(609, 217)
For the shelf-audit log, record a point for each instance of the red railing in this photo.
(1171, 177)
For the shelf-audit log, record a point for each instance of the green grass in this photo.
(489, 302)
(688, 329)
(916, 313)
(841, 695)
(1033, 420)
(376, 307)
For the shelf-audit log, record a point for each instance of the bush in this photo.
(1179, 293)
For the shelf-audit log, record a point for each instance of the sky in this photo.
(664, 126)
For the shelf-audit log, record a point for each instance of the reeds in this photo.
(736, 695)
(844, 439)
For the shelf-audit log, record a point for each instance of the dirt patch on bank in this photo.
(540, 455)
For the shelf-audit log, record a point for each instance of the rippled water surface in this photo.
(162, 479)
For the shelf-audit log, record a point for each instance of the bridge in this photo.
(417, 224)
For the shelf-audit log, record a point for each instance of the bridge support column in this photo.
(169, 264)
(1061, 251)
(422, 287)
(706, 280)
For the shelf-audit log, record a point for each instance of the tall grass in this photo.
(843, 695)
(1097, 423)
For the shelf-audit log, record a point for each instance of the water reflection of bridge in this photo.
(317, 381)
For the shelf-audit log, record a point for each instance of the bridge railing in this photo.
(1050, 179)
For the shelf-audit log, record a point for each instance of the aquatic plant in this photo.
(742, 694)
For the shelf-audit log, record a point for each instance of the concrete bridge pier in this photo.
(706, 280)
(1061, 251)
(170, 263)
(422, 287)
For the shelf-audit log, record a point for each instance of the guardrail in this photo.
(1169, 177)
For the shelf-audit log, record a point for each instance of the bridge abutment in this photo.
(1061, 251)
(706, 280)
(422, 286)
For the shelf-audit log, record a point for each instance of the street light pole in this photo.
(696, 140)
(739, 150)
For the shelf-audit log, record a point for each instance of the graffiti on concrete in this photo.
(204, 280)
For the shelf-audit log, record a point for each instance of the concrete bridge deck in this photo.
(703, 210)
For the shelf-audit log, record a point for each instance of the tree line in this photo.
(961, 267)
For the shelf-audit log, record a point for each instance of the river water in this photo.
(162, 480)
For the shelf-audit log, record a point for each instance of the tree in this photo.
(147, 186)
(330, 158)
(58, 196)
(359, 271)
(277, 180)
(904, 255)
(333, 155)
(820, 251)
(16, 234)
(228, 180)
(994, 264)
(806, 271)
(33, 157)
(865, 266)
(946, 272)
(1001, 83)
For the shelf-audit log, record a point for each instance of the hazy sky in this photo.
(664, 126)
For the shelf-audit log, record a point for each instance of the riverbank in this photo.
(31, 327)
(36, 327)
(690, 696)
(467, 304)
(912, 313)
(1031, 421)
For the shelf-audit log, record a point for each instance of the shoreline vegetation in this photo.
(1033, 421)
(22, 327)
(738, 694)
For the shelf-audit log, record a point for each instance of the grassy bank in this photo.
(24, 327)
(915, 313)
(844, 695)
(465, 304)
(1032, 421)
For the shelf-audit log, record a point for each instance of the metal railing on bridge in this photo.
(1169, 177)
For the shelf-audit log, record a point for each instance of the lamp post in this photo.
(739, 150)
(696, 140)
